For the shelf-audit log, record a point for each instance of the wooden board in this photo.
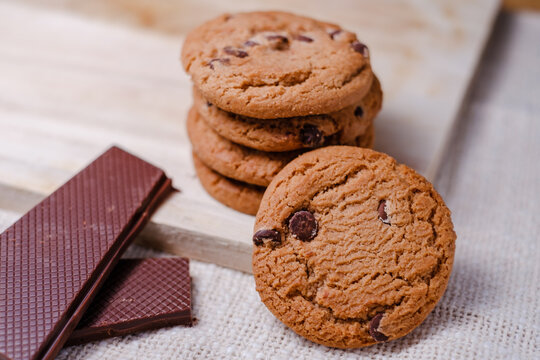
(72, 86)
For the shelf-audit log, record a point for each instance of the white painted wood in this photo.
(70, 87)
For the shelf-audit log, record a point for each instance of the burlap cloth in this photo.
(491, 182)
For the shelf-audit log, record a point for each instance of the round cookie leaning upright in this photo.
(270, 65)
(351, 248)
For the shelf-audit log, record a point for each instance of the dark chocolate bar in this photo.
(139, 295)
(55, 258)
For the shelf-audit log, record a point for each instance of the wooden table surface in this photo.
(74, 84)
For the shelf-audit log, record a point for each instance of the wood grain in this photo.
(522, 5)
(72, 86)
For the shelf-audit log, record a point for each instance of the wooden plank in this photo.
(159, 233)
(533, 5)
(72, 86)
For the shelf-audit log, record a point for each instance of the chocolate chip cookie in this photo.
(234, 194)
(242, 163)
(230, 159)
(288, 134)
(351, 248)
(271, 65)
(367, 140)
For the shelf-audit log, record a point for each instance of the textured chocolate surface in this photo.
(55, 258)
(140, 294)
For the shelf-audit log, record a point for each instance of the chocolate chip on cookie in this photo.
(374, 326)
(381, 209)
(278, 42)
(303, 225)
(235, 52)
(360, 48)
(273, 237)
(334, 33)
(311, 136)
(223, 61)
(303, 38)
(349, 282)
(358, 111)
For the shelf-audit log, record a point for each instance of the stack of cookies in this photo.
(350, 247)
(267, 87)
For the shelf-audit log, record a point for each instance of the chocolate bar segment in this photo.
(55, 258)
(139, 295)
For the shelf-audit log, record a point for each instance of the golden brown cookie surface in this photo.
(230, 159)
(234, 194)
(294, 133)
(242, 163)
(351, 248)
(276, 64)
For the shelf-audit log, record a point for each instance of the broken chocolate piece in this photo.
(55, 258)
(139, 295)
